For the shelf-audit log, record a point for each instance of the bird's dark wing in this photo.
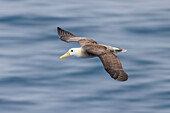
(69, 37)
(66, 36)
(113, 66)
(110, 61)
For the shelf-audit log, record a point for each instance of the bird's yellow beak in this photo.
(65, 55)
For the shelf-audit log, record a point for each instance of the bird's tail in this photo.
(117, 50)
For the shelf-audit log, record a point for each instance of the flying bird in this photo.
(90, 48)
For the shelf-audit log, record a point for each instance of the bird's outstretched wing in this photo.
(69, 37)
(113, 66)
(110, 61)
(66, 36)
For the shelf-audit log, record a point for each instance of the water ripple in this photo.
(33, 79)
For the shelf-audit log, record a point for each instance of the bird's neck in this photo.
(79, 52)
(83, 54)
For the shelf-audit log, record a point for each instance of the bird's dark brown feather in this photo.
(113, 66)
(110, 61)
(66, 36)
(69, 37)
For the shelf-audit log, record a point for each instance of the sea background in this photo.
(34, 80)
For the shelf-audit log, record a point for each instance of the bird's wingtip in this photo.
(59, 31)
(64, 35)
(58, 28)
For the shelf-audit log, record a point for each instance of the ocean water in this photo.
(34, 80)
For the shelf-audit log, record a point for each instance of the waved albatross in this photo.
(89, 48)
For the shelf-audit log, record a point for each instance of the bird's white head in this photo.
(72, 51)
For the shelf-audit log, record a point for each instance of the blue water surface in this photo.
(34, 80)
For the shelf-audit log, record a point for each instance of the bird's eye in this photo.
(71, 50)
